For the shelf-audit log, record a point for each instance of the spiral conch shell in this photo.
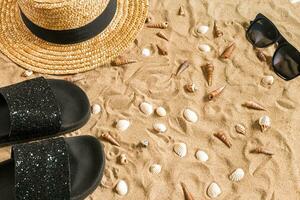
(212, 95)
(180, 149)
(228, 51)
(261, 150)
(155, 169)
(122, 188)
(221, 136)
(187, 194)
(237, 175)
(107, 136)
(240, 128)
(209, 70)
(162, 51)
(265, 123)
(162, 35)
(253, 105)
(120, 60)
(214, 190)
(162, 25)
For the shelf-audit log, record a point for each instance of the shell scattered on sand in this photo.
(253, 105)
(237, 175)
(202, 156)
(146, 108)
(160, 127)
(146, 52)
(202, 29)
(267, 81)
(265, 123)
(294, 1)
(155, 169)
(96, 109)
(122, 188)
(27, 73)
(212, 95)
(123, 159)
(205, 48)
(122, 125)
(191, 87)
(144, 143)
(240, 128)
(161, 111)
(214, 190)
(190, 115)
(180, 149)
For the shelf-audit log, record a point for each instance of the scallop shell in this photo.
(267, 81)
(122, 125)
(155, 169)
(180, 149)
(240, 128)
(202, 29)
(160, 127)
(190, 115)
(161, 111)
(205, 48)
(265, 123)
(96, 108)
(214, 190)
(27, 73)
(237, 175)
(146, 52)
(146, 108)
(202, 156)
(122, 188)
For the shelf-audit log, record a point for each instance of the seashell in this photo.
(108, 137)
(202, 156)
(161, 50)
(180, 149)
(162, 35)
(260, 150)
(190, 115)
(148, 19)
(161, 111)
(217, 31)
(294, 1)
(181, 11)
(121, 188)
(187, 194)
(202, 29)
(209, 70)
(214, 190)
(267, 81)
(228, 51)
(260, 55)
(146, 52)
(221, 136)
(162, 25)
(191, 87)
(253, 105)
(123, 159)
(182, 67)
(27, 73)
(237, 175)
(146, 108)
(122, 125)
(144, 143)
(205, 48)
(120, 60)
(160, 127)
(155, 169)
(212, 95)
(240, 128)
(96, 108)
(265, 123)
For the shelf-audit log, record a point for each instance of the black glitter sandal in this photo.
(41, 108)
(54, 169)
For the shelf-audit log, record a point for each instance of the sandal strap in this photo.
(33, 108)
(42, 170)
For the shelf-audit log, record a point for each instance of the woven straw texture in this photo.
(31, 52)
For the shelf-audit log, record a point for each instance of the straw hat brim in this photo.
(31, 52)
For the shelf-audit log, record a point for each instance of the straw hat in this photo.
(68, 36)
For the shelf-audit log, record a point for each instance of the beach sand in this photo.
(120, 90)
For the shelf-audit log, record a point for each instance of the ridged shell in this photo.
(155, 169)
(265, 123)
(146, 52)
(202, 156)
(96, 108)
(191, 87)
(161, 111)
(202, 29)
(160, 127)
(214, 190)
(122, 188)
(146, 108)
(237, 175)
(240, 128)
(27, 73)
(190, 115)
(122, 125)
(180, 149)
(205, 48)
(267, 81)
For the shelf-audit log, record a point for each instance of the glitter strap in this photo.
(42, 170)
(33, 108)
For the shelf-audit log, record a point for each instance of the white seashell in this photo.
(146, 108)
(161, 111)
(122, 188)
(205, 48)
(96, 108)
(180, 149)
(159, 127)
(267, 81)
(202, 29)
(214, 190)
(190, 115)
(295, 1)
(27, 73)
(237, 175)
(265, 123)
(202, 156)
(155, 169)
(144, 143)
(146, 52)
(240, 128)
(122, 125)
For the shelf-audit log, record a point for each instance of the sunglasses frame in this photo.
(280, 41)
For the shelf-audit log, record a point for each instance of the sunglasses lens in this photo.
(262, 33)
(286, 62)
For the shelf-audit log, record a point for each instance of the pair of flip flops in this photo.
(53, 169)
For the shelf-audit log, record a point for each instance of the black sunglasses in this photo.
(286, 59)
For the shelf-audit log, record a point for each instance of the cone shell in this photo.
(162, 25)
(162, 35)
(214, 190)
(146, 108)
(228, 51)
(187, 194)
(122, 125)
(180, 149)
(209, 70)
(211, 96)
(202, 156)
(160, 127)
(205, 48)
(109, 138)
(241, 129)
(122, 61)
(96, 109)
(221, 136)
(182, 67)
(181, 11)
(217, 31)
(253, 105)
(261, 56)
(190, 115)
(155, 169)
(161, 111)
(191, 88)
(237, 175)
(122, 188)
(265, 123)
(260, 150)
(161, 50)
(123, 159)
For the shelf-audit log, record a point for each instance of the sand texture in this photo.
(120, 90)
